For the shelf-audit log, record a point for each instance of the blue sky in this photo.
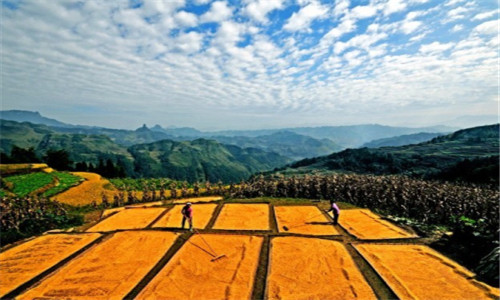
(250, 64)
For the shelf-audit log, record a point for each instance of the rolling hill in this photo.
(201, 159)
(476, 146)
(187, 160)
(407, 139)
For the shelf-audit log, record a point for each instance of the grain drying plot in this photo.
(28, 260)
(243, 217)
(88, 192)
(418, 272)
(133, 218)
(191, 274)
(303, 220)
(306, 268)
(364, 224)
(109, 270)
(201, 216)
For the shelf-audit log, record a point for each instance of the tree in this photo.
(58, 159)
(20, 155)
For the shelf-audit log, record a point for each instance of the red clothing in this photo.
(187, 211)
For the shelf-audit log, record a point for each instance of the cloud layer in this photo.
(252, 64)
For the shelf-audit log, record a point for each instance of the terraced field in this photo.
(239, 251)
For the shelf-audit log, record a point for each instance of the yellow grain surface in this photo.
(110, 270)
(366, 225)
(418, 272)
(132, 218)
(91, 190)
(305, 268)
(191, 274)
(201, 216)
(198, 199)
(303, 219)
(243, 216)
(21, 263)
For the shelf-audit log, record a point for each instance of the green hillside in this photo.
(401, 140)
(285, 143)
(201, 160)
(429, 159)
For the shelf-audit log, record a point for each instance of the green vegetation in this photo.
(39, 183)
(201, 160)
(66, 180)
(440, 158)
(23, 217)
(23, 185)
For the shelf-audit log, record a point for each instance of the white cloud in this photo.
(411, 26)
(457, 28)
(435, 47)
(485, 15)
(393, 6)
(189, 42)
(258, 9)
(162, 7)
(186, 19)
(362, 12)
(302, 19)
(488, 28)
(219, 11)
(456, 14)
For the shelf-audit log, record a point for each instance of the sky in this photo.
(250, 64)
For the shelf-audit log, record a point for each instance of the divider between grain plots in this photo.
(273, 223)
(167, 209)
(260, 280)
(36, 279)
(215, 215)
(179, 242)
(371, 275)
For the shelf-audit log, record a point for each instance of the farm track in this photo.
(178, 258)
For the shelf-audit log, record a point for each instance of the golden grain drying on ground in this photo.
(366, 225)
(303, 219)
(418, 272)
(88, 192)
(191, 274)
(22, 263)
(243, 217)
(202, 213)
(305, 268)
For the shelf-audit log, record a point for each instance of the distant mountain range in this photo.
(342, 136)
(196, 160)
(407, 139)
(469, 155)
(190, 154)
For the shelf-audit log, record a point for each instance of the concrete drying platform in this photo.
(201, 216)
(191, 274)
(303, 220)
(108, 270)
(418, 272)
(28, 260)
(305, 268)
(243, 217)
(366, 225)
(132, 218)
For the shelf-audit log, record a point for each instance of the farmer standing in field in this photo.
(187, 213)
(336, 211)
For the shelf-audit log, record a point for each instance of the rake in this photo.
(286, 228)
(212, 253)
